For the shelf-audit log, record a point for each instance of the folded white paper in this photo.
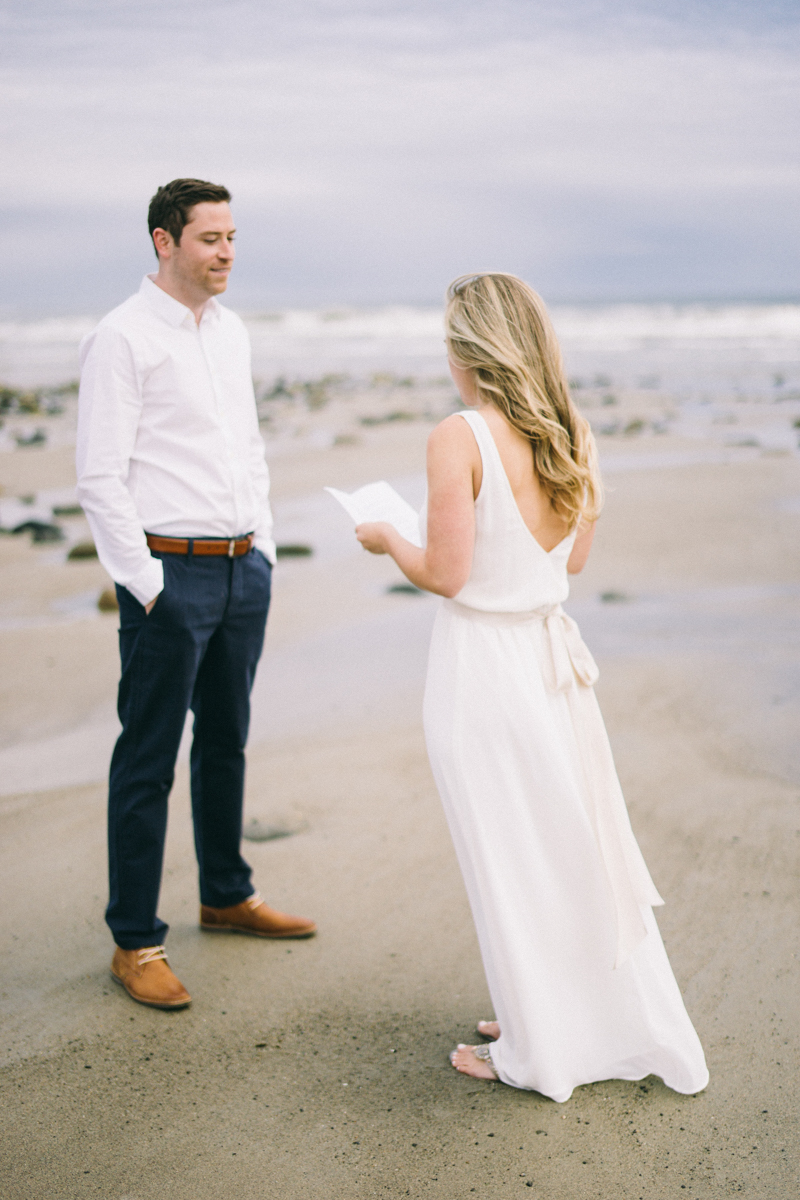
(380, 502)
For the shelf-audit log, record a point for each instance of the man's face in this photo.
(204, 257)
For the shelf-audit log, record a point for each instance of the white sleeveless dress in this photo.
(561, 897)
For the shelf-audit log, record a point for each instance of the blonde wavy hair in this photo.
(498, 328)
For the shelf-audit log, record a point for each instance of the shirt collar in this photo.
(170, 309)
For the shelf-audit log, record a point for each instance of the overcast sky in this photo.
(621, 150)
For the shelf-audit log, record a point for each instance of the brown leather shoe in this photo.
(146, 976)
(254, 916)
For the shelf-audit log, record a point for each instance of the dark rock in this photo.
(82, 550)
(269, 829)
(316, 395)
(280, 389)
(38, 438)
(40, 531)
(405, 589)
(388, 418)
(107, 600)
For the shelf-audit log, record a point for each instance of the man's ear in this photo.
(163, 243)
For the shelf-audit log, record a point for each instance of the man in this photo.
(172, 477)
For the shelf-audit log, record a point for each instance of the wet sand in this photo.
(319, 1069)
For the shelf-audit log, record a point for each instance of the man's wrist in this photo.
(267, 547)
(148, 583)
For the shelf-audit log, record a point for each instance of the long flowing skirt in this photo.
(531, 795)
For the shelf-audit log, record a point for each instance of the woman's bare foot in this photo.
(489, 1029)
(465, 1060)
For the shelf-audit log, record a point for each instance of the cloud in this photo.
(371, 148)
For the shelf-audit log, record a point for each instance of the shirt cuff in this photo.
(267, 547)
(149, 583)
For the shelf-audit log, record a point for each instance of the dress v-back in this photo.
(561, 897)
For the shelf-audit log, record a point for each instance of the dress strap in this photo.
(481, 431)
(490, 456)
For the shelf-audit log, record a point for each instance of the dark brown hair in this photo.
(172, 204)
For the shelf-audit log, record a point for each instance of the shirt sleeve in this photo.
(259, 476)
(264, 540)
(109, 408)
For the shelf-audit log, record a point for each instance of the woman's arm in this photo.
(443, 566)
(580, 549)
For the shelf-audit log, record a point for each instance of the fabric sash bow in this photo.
(568, 654)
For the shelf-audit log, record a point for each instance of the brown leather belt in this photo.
(231, 547)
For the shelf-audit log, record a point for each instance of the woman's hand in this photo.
(374, 536)
(444, 564)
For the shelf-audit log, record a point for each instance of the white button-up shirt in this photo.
(168, 438)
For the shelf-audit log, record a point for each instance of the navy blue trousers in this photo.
(198, 648)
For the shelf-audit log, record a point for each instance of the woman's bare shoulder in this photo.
(454, 456)
(452, 431)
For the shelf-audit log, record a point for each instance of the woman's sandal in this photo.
(485, 1055)
(482, 1053)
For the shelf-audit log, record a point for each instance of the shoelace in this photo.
(151, 954)
(255, 900)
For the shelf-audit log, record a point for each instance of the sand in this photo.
(319, 1070)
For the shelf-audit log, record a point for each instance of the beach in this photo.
(319, 1069)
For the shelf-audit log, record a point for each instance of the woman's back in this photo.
(513, 568)
(530, 497)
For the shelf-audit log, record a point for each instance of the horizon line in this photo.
(28, 315)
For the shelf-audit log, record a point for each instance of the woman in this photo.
(561, 897)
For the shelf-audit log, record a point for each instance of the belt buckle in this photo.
(231, 547)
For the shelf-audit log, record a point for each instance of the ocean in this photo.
(692, 351)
